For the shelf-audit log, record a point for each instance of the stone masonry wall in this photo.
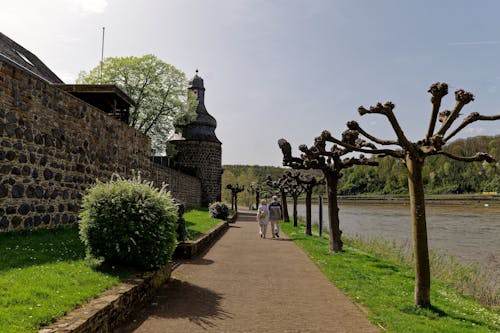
(53, 146)
(206, 158)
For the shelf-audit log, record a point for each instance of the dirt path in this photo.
(248, 284)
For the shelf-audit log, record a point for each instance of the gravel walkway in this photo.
(248, 284)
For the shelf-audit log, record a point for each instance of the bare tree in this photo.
(331, 162)
(295, 189)
(234, 195)
(413, 154)
(308, 182)
(256, 189)
(281, 185)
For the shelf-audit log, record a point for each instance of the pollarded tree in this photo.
(413, 154)
(308, 182)
(295, 189)
(234, 195)
(331, 162)
(255, 188)
(280, 185)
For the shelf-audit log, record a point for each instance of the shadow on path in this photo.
(179, 299)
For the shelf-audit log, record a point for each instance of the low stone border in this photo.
(112, 307)
(190, 249)
(232, 218)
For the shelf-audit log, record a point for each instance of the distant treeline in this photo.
(441, 174)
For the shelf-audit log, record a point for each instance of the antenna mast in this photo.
(102, 55)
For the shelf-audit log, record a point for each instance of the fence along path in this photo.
(248, 284)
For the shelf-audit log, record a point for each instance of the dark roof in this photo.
(203, 127)
(196, 82)
(103, 90)
(107, 97)
(24, 58)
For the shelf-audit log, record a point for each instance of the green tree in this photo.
(158, 89)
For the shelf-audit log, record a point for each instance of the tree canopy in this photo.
(158, 89)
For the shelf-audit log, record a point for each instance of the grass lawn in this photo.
(43, 273)
(386, 289)
(198, 222)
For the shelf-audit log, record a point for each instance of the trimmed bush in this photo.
(218, 210)
(129, 223)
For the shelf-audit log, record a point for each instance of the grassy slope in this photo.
(43, 274)
(386, 289)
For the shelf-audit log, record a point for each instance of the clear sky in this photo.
(285, 68)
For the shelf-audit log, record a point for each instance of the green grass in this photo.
(386, 289)
(198, 222)
(43, 274)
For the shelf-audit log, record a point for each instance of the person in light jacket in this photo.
(263, 218)
(275, 216)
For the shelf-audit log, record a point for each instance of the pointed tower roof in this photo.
(203, 127)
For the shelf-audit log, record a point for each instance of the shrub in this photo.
(218, 210)
(129, 223)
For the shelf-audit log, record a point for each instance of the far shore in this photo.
(475, 200)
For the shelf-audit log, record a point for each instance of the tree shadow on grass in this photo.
(435, 312)
(179, 299)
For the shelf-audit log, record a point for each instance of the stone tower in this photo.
(199, 148)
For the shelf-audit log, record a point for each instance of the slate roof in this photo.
(27, 60)
(203, 127)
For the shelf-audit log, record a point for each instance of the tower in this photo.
(199, 148)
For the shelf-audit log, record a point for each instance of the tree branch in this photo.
(474, 116)
(353, 125)
(476, 158)
(438, 91)
(288, 159)
(328, 137)
(462, 97)
(386, 110)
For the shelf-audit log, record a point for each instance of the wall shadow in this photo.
(180, 299)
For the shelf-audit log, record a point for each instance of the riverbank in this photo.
(470, 200)
(478, 200)
(390, 304)
(470, 234)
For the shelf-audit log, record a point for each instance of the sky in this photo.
(285, 68)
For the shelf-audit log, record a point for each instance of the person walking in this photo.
(263, 218)
(275, 215)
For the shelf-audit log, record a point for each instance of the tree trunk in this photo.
(308, 213)
(284, 205)
(232, 201)
(420, 247)
(333, 213)
(236, 204)
(257, 200)
(295, 210)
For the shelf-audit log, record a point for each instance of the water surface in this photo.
(470, 234)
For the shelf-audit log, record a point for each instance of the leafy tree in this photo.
(414, 154)
(158, 89)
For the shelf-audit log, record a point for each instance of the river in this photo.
(470, 234)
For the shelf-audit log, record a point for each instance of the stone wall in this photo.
(205, 157)
(53, 146)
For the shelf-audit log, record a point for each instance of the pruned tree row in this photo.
(328, 154)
